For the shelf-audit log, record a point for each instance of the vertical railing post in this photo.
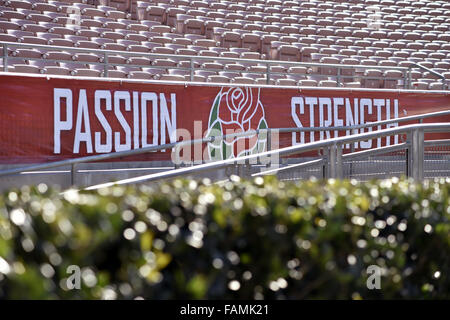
(258, 160)
(269, 146)
(5, 57)
(417, 154)
(106, 65)
(414, 151)
(352, 149)
(325, 171)
(268, 73)
(405, 79)
(339, 162)
(409, 77)
(191, 69)
(237, 169)
(335, 160)
(333, 155)
(339, 76)
(73, 172)
(408, 155)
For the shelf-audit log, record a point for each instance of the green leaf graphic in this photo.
(215, 110)
(215, 130)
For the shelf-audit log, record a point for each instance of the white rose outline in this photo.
(236, 110)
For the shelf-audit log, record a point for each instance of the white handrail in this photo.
(334, 144)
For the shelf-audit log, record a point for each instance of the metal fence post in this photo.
(5, 57)
(352, 149)
(73, 172)
(325, 171)
(408, 160)
(409, 77)
(339, 162)
(333, 156)
(417, 154)
(191, 69)
(336, 169)
(258, 160)
(421, 159)
(268, 73)
(106, 65)
(238, 170)
(338, 77)
(405, 79)
(269, 146)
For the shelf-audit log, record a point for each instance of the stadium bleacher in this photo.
(374, 33)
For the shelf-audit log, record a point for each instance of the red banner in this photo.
(46, 119)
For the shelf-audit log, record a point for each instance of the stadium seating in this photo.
(375, 33)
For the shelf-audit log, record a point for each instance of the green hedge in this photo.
(240, 240)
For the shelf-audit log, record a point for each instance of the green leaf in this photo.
(215, 111)
(215, 130)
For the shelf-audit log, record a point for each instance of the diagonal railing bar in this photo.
(415, 130)
(436, 74)
(376, 151)
(305, 164)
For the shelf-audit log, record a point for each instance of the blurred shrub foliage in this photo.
(240, 240)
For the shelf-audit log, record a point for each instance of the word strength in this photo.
(227, 309)
(341, 111)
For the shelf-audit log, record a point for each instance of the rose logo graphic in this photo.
(236, 110)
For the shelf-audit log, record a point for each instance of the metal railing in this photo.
(434, 73)
(333, 147)
(181, 144)
(268, 74)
